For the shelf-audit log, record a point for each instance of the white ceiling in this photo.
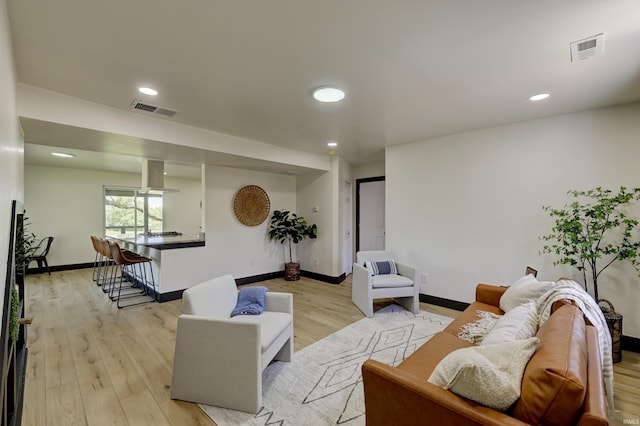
(412, 70)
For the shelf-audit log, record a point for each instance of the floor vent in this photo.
(587, 47)
(136, 104)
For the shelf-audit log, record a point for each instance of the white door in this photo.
(348, 219)
(371, 221)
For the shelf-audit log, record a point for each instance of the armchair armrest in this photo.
(361, 290)
(361, 272)
(207, 333)
(203, 356)
(391, 393)
(408, 271)
(278, 302)
(489, 294)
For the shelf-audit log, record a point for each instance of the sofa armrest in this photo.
(391, 393)
(595, 405)
(489, 294)
(278, 302)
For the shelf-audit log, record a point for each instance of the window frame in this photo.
(137, 230)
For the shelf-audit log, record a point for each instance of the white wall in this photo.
(182, 210)
(67, 204)
(321, 255)
(234, 248)
(368, 171)
(467, 208)
(11, 145)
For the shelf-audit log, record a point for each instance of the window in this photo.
(128, 214)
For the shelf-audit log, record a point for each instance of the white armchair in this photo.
(403, 286)
(219, 359)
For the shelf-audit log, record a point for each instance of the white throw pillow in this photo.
(518, 324)
(523, 290)
(490, 375)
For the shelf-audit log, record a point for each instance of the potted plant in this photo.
(25, 246)
(290, 228)
(594, 231)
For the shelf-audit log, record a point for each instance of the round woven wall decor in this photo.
(251, 205)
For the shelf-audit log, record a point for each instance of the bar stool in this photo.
(107, 271)
(127, 262)
(99, 258)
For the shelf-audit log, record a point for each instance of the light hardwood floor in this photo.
(92, 364)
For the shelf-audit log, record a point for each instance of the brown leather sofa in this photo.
(562, 383)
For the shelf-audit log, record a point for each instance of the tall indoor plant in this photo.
(594, 231)
(290, 228)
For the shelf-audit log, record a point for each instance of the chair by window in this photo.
(383, 282)
(40, 253)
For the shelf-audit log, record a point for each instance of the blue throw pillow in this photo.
(384, 268)
(250, 301)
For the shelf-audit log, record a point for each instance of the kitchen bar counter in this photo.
(176, 261)
(167, 242)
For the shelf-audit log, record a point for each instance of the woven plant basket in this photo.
(292, 271)
(614, 321)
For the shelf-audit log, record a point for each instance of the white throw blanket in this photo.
(475, 332)
(567, 289)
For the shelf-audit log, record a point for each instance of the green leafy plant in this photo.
(594, 231)
(290, 228)
(25, 245)
(14, 325)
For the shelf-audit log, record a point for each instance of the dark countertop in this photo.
(167, 242)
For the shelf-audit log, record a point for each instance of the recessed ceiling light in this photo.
(328, 94)
(62, 154)
(538, 97)
(148, 91)
(332, 144)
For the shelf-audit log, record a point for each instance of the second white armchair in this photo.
(372, 283)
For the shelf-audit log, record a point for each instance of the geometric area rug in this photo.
(323, 383)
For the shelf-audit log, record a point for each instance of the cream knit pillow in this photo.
(490, 375)
(519, 323)
(523, 290)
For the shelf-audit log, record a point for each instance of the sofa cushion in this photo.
(390, 280)
(489, 375)
(556, 377)
(424, 360)
(523, 290)
(518, 324)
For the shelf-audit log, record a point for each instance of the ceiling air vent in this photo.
(587, 47)
(153, 108)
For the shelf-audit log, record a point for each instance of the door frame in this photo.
(348, 227)
(358, 182)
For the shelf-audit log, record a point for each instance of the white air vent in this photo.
(153, 108)
(587, 47)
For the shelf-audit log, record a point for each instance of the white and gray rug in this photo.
(323, 383)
